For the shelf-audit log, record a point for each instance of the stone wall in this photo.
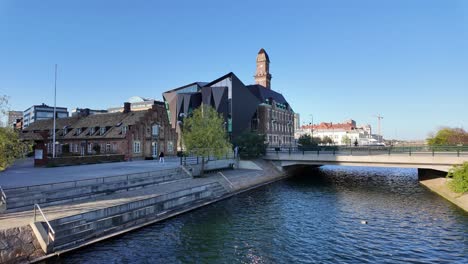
(19, 245)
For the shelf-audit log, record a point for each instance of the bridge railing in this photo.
(374, 150)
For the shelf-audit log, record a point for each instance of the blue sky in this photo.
(407, 60)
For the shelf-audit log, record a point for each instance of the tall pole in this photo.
(55, 111)
(312, 127)
(379, 117)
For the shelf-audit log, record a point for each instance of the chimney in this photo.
(126, 107)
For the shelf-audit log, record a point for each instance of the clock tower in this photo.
(262, 75)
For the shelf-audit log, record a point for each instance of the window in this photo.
(114, 147)
(102, 131)
(170, 146)
(124, 129)
(90, 147)
(155, 130)
(76, 147)
(108, 147)
(136, 147)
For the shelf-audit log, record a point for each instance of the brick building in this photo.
(135, 134)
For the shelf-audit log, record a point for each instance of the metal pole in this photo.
(55, 112)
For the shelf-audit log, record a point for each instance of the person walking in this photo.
(161, 157)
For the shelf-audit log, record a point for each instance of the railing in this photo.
(375, 150)
(50, 230)
(195, 160)
(3, 197)
(91, 181)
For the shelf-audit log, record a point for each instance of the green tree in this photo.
(448, 136)
(327, 140)
(306, 141)
(251, 145)
(346, 140)
(11, 147)
(204, 134)
(459, 176)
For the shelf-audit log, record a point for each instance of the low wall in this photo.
(76, 160)
(19, 245)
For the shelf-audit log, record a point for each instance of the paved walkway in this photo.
(237, 177)
(23, 173)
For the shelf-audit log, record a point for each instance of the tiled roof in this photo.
(49, 123)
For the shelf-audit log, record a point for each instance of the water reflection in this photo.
(311, 218)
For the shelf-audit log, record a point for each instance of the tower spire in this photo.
(262, 75)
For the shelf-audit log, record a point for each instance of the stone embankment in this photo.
(82, 217)
(18, 244)
(439, 186)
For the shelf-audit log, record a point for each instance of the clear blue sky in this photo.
(407, 60)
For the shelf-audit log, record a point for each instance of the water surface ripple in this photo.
(311, 218)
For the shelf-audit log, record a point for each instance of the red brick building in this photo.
(135, 134)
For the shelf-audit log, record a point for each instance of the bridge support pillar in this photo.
(424, 174)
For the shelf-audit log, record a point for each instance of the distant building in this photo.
(86, 112)
(137, 103)
(13, 117)
(245, 108)
(135, 134)
(42, 112)
(346, 133)
(297, 121)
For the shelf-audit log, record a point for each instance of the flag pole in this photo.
(55, 112)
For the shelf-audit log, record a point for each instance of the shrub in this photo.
(459, 176)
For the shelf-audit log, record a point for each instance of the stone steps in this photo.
(76, 229)
(46, 195)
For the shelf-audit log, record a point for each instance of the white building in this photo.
(346, 133)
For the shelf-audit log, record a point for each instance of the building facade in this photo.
(245, 108)
(346, 133)
(42, 112)
(135, 134)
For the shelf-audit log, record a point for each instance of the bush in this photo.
(251, 145)
(459, 176)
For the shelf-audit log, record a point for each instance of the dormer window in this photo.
(124, 129)
(102, 131)
(78, 131)
(92, 130)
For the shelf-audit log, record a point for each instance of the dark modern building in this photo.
(41, 112)
(244, 107)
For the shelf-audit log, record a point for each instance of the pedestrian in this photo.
(161, 157)
(236, 151)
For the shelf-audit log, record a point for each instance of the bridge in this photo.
(423, 157)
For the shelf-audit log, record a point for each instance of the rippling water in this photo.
(312, 218)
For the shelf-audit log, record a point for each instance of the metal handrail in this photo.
(3, 197)
(50, 230)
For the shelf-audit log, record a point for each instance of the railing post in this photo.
(289, 151)
(432, 151)
(389, 150)
(303, 151)
(197, 160)
(410, 151)
(458, 152)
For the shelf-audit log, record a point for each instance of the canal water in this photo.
(316, 217)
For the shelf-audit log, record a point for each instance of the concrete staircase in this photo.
(77, 229)
(23, 198)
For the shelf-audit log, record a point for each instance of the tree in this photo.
(346, 140)
(4, 106)
(251, 145)
(327, 140)
(306, 141)
(449, 136)
(11, 147)
(204, 134)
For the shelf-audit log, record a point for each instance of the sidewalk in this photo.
(23, 173)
